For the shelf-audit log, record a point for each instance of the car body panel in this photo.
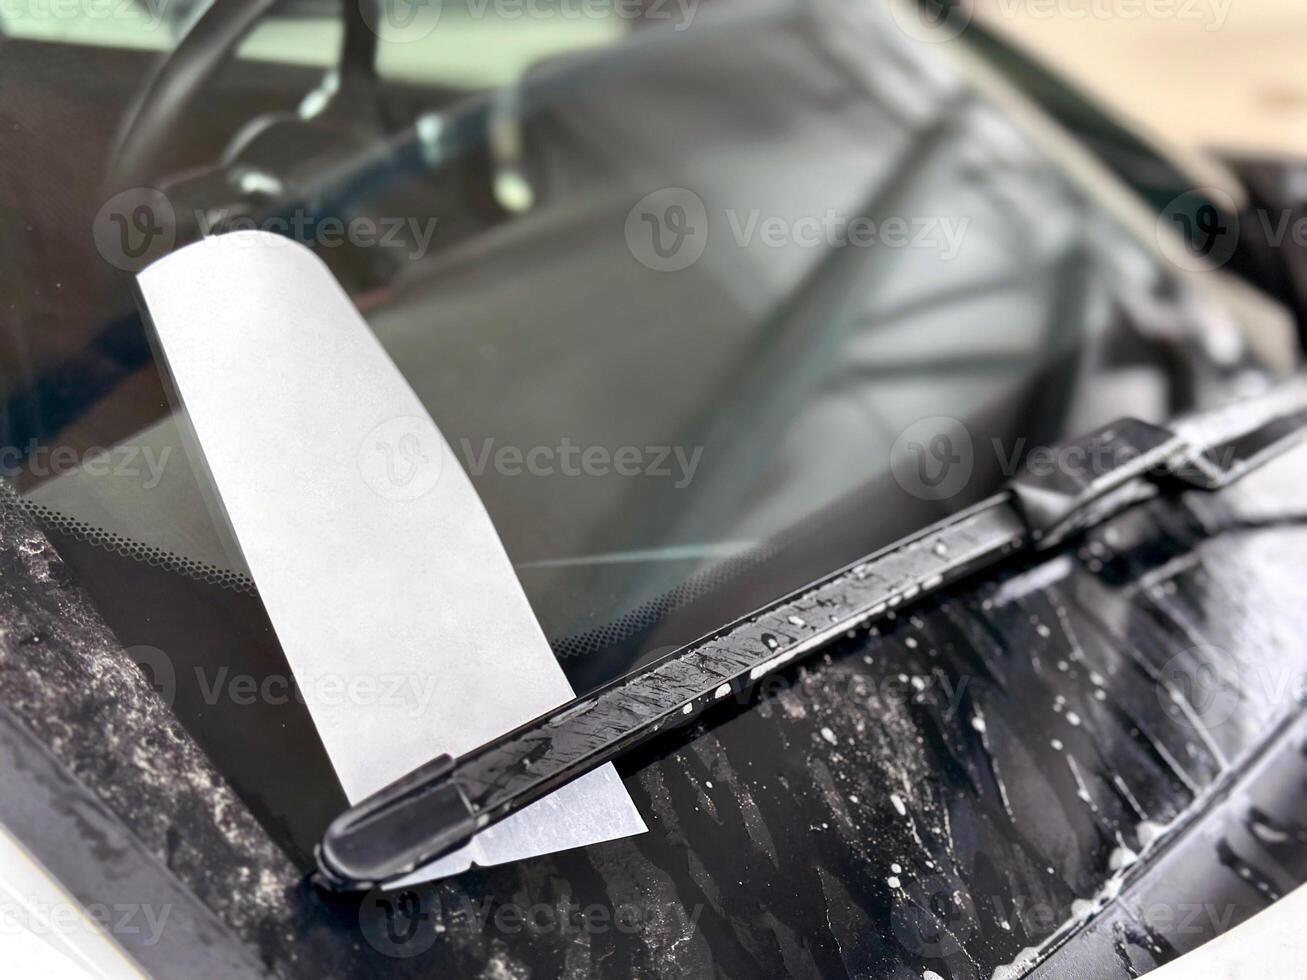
(777, 826)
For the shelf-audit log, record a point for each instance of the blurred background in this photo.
(1217, 73)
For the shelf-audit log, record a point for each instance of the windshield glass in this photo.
(707, 300)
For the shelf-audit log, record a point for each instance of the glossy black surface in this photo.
(440, 806)
(1014, 748)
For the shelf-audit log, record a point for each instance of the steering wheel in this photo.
(174, 86)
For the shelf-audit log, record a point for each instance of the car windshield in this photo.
(708, 299)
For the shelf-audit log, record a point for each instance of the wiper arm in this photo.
(442, 805)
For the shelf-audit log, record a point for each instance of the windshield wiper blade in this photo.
(443, 804)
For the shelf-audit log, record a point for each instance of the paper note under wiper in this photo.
(389, 589)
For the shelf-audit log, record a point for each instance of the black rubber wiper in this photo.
(442, 805)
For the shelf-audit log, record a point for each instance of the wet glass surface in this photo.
(703, 313)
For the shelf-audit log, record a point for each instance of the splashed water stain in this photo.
(942, 806)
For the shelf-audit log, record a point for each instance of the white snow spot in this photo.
(1121, 857)
(1019, 966)
(1148, 831)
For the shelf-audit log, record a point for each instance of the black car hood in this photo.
(960, 791)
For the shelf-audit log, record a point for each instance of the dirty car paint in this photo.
(960, 792)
